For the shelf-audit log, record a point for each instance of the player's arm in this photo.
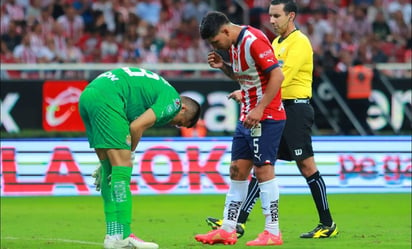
(215, 60)
(272, 89)
(139, 125)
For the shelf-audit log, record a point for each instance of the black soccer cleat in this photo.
(321, 231)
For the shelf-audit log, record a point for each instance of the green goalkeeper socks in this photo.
(108, 204)
(120, 186)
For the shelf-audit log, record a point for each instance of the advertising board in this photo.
(187, 166)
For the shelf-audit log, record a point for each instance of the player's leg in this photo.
(111, 133)
(265, 151)
(248, 204)
(250, 201)
(241, 165)
(113, 232)
(326, 228)
(297, 145)
(89, 106)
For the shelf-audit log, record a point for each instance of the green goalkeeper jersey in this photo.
(139, 90)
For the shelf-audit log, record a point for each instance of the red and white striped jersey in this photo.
(74, 28)
(252, 59)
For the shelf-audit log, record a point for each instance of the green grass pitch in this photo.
(364, 220)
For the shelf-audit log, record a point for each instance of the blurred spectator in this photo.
(59, 38)
(33, 11)
(377, 54)
(15, 11)
(148, 52)
(344, 61)
(374, 9)
(401, 5)
(256, 9)
(373, 31)
(358, 25)
(128, 52)
(173, 52)
(380, 27)
(73, 54)
(348, 43)
(123, 15)
(99, 25)
(157, 41)
(235, 13)
(4, 21)
(12, 38)
(36, 37)
(109, 48)
(72, 23)
(186, 31)
(330, 50)
(176, 9)
(195, 9)
(49, 54)
(46, 21)
(124, 8)
(106, 8)
(6, 56)
(84, 9)
(24, 53)
(131, 32)
(400, 30)
(165, 26)
(148, 10)
(57, 8)
(320, 27)
(90, 41)
(197, 51)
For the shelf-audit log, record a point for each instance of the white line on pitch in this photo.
(58, 240)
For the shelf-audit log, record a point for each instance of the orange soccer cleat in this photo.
(266, 239)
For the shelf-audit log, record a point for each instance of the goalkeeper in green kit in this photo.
(116, 108)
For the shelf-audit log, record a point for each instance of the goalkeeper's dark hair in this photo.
(290, 5)
(211, 24)
(193, 110)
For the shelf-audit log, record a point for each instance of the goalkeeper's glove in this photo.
(97, 175)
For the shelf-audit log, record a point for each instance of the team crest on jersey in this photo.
(281, 62)
(177, 103)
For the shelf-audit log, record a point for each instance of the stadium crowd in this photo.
(166, 31)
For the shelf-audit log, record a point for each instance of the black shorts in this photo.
(296, 141)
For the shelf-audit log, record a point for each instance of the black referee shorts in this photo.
(296, 141)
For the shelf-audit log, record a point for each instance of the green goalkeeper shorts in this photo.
(105, 120)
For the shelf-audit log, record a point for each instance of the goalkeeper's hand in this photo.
(97, 175)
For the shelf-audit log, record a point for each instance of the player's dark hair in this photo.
(290, 5)
(193, 110)
(211, 24)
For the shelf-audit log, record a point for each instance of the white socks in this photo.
(234, 199)
(269, 196)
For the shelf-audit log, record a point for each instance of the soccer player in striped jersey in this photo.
(295, 55)
(262, 118)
